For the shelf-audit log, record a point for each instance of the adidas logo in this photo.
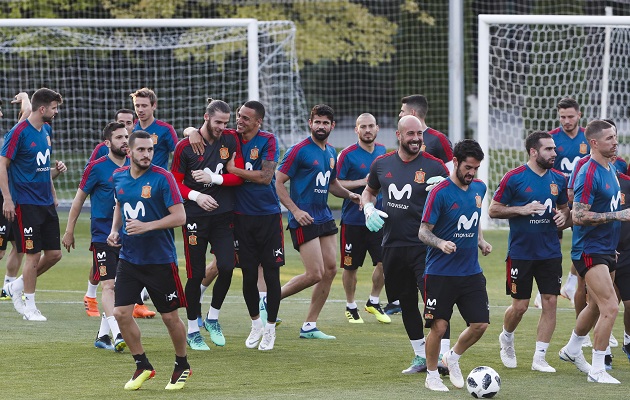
(278, 259)
(200, 158)
(607, 186)
(33, 144)
(455, 206)
(529, 189)
(315, 162)
(388, 175)
(363, 166)
(121, 191)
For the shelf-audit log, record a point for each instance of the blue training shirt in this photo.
(98, 183)
(310, 169)
(597, 186)
(254, 198)
(533, 237)
(454, 214)
(147, 199)
(353, 164)
(569, 150)
(29, 170)
(164, 140)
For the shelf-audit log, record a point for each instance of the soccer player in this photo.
(534, 199)
(163, 135)
(14, 259)
(401, 176)
(311, 167)
(148, 207)
(96, 182)
(258, 223)
(596, 219)
(30, 198)
(453, 275)
(204, 183)
(434, 143)
(353, 166)
(125, 117)
(571, 145)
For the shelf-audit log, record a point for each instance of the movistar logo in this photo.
(322, 179)
(101, 255)
(192, 227)
(468, 223)
(42, 159)
(132, 213)
(568, 165)
(218, 169)
(614, 202)
(548, 206)
(393, 191)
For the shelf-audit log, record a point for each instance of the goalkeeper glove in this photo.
(433, 182)
(373, 219)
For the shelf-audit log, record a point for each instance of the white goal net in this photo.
(95, 68)
(528, 63)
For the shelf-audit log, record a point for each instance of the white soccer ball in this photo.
(483, 382)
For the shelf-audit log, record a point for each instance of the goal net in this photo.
(528, 63)
(96, 64)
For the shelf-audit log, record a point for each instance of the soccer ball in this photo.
(483, 382)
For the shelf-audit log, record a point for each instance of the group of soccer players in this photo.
(416, 210)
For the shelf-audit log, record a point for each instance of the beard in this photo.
(368, 141)
(139, 164)
(464, 179)
(321, 134)
(407, 149)
(118, 151)
(545, 164)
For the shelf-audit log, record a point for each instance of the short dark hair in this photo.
(110, 128)
(595, 128)
(568, 102)
(323, 110)
(533, 140)
(138, 135)
(123, 111)
(467, 148)
(215, 106)
(146, 93)
(43, 97)
(418, 102)
(257, 107)
(611, 122)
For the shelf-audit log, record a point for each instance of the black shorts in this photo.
(622, 275)
(216, 230)
(6, 233)
(356, 241)
(161, 280)
(104, 261)
(36, 228)
(520, 275)
(587, 261)
(303, 234)
(468, 292)
(260, 240)
(401, 266)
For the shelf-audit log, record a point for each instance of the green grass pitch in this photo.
(57, 359)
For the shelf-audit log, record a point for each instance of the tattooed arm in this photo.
(427, 237)
(582, 216)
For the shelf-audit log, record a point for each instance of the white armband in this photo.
(193, 195)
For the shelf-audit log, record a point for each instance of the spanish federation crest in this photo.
(423, 147)
(102, 270)
(192, 240)
(154, 138)
(554, 189)
(347, 261)
(332, 163)
(146, 192)
(583, 148)
(224, 153)
(419, 178)
(478, 201)
(253, 154)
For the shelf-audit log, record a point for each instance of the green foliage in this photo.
(142, 8)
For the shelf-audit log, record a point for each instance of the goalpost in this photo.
(96, 63)
(526, 63)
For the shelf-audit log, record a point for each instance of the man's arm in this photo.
(25, 106)
(498, 210)
(485, 247)
(73, 216)
(427, 237)
(262, 176)
(114, 236)
(359, 183)
(8, 208)
(562, 216)
(582, 216)
(302, 217)
(337, 190)
(176, 217)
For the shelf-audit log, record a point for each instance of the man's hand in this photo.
(19, 98)
(303, 218)
(433, 182)
(68, 240)
(60, 166)
(559, 218)
(195, 140)
(206, 202)
(485, 247)
(355, 198)
(8, 209)
(373, 219)
(533, 208)
(136, 227)
(447, 247)
(207, 176)
(112, 239)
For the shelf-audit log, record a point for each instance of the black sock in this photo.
(181, 363)
(142, 362)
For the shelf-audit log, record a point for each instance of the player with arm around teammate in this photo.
(533, 197)
(148, 207)
(450, 226)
